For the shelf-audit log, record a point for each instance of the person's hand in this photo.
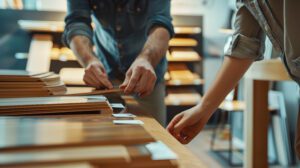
(187, 124)
(96, 76)
(140, 78)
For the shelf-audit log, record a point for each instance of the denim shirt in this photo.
(121, 28)
(278, 19)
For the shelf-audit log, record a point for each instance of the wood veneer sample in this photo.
(17, 83)
(80, 91)
(93, 154)
(57, 165)
(60, 104)
(110, 156)
(24, 133)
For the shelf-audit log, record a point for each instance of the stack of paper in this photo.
(18, 83)
(58, 104)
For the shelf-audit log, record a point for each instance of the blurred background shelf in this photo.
(183, 55)
(183, 42)
(187, 30)
(182, 97)
(42, 26)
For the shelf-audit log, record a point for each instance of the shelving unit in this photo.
(44, 28)
(185, 51)
(184, 77)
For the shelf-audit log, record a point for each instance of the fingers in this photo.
(183, 128)
(188, 133)
(135, 77)
(126, 81)
(139, 80)
(89, 79)
(102, 78)
(174, 121)
(95, 76)
(179, 126)
(146, 84)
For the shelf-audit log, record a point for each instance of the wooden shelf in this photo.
(62, 54)
(187, 30)
(183, 55)
(179, 74)
(183, 42)
(182, 97)
(186, 82)
(226, 31)
(42, 26)
(235, 105)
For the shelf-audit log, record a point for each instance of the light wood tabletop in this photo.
(186, 159)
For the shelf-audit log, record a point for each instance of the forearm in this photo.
(230, 73)
(83, 49)
(156, 46)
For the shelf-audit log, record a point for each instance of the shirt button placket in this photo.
(118, 29)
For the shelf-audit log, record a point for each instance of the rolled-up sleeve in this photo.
(160, 15)
(78, 20)
(248, 38)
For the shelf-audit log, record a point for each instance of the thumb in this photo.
(174, 121)
(180, 125)
(126, 81)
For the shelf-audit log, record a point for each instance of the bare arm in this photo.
(95, 74)
(141, 77)
(83, 50)
(156, 46)
(230, 73)
(186, 125)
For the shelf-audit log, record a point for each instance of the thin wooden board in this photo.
(98, 154)
(22, 133)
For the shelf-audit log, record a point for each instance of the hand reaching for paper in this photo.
(96, 76)
(140, 78)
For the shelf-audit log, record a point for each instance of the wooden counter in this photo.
(185, 158)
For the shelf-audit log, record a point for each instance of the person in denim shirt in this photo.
(131, 39)
(279, 20)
